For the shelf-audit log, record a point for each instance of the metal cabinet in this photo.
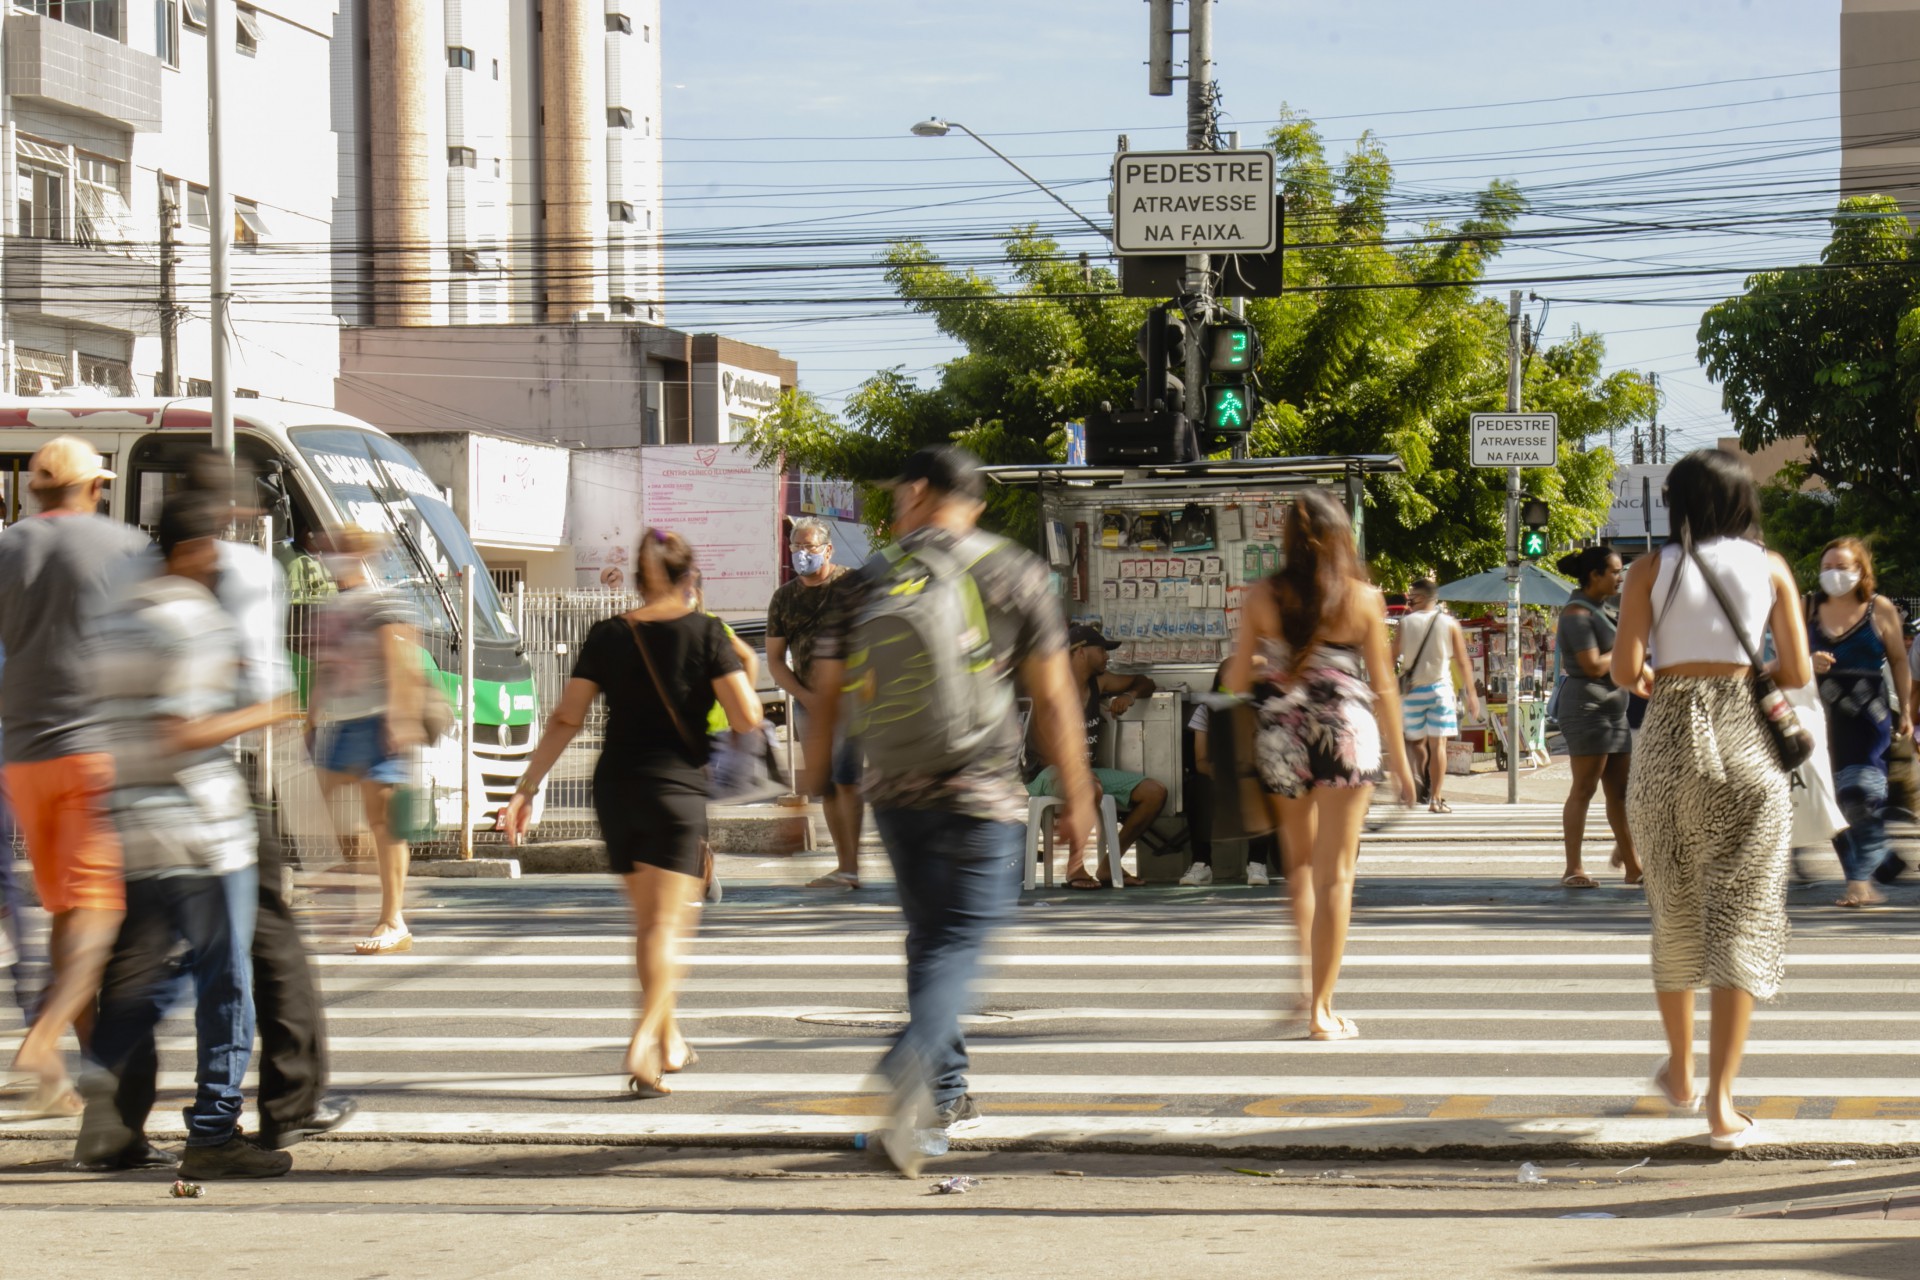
(1147, 739)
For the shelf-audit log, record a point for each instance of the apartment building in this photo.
(1880, 100)
(104, 124)
(499, 161)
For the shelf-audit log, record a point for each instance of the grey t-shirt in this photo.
(1584, 625)
(55, 572)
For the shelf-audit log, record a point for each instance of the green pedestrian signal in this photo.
(1533, 543)
(1533, 534)
(1229, 408)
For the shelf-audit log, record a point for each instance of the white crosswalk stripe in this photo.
(1491, 1003)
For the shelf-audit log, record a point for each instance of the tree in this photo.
(1831, 353)
(1381, 344)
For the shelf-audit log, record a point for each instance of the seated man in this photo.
(1138, 796)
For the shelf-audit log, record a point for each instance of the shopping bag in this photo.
(1816, 810)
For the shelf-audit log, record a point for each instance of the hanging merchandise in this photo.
(1194, 529)
(1150, 531)
(1113, 530)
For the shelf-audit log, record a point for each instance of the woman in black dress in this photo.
(662, 667)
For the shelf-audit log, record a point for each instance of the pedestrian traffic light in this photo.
(1533, 535)
(1163, 349)
(1230, 347)
(1229, 408)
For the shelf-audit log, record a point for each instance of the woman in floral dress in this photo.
(1322, 737)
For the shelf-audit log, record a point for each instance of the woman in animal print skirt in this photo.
(1707, 800)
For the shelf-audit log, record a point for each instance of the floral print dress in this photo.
(1318, 728)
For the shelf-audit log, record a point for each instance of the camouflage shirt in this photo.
(796, 612)
(1025, 620)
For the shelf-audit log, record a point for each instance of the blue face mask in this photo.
(808, 563)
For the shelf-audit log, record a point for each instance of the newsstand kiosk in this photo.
(1160, 558)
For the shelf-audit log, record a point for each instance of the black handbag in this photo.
(1792, 744)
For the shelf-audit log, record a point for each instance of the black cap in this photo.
(946, 468)
(1080, 633)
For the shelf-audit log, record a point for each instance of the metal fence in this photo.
(554, 624)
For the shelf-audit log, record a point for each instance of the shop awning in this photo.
(1537, 586)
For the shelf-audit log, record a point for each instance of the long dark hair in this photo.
(1711, 494)
(1583, 564)
(1318, 569)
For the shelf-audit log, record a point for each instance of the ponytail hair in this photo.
(1583, 564)
(666, 554)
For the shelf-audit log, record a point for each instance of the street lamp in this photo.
(935, 127)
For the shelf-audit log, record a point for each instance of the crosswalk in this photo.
(1496, 1009)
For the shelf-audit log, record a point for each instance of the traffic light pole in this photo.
(1513, 560)
(1199, 138)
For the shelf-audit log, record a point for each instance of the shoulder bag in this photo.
(709, 885)
(1792, 744)
(1406, 677)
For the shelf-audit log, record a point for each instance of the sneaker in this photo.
(1257, 875)
(329, 1115)
(959, 1111)
(1197, 874)
(234, 1158)
(138, 1154)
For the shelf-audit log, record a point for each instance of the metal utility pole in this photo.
(1200, 98)
(220, 35)
(1513, 560)
(1656, 446)
(169, 382)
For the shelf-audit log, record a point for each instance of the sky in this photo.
(1673, 146)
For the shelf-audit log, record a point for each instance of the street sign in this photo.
(1515, 439)
(1194, 202)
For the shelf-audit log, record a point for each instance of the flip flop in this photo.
(381, 944)
(1578, 880)
(1132, 881)
(1343, 1029)
(1085, 881)
(834, 880)
(1659, 1082)
(1751, 1136)
(1439, 806)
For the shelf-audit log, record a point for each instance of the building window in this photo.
(38, 372)
(620, 211)
(102, 17)
(195, 13)
(646, 34)
(197, 215)
(459, 58)
(246, 29)
(464, 261)
(620, 22)
(463, 157)
(248, 228)
(41, 185)
(101, 215)
(507, 580)
(619, 118)
(649, 126)
(496, 166)
(245, 393)
(166, 31)
(496, 68)
(108, 375)
(623, 306)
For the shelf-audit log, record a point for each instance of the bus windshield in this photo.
(377, 484)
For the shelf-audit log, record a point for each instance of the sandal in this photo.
(1085, 881)
(1439, 806)
(644, 1089)
(57, 1101)
(835, 880)
(1132, 881)
(1665, 1090)
(381, 944)
(691, 1060)
(1343, 1029)
(1578, 880)
(1751, 1136)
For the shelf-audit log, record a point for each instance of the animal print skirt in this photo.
(1710, 815)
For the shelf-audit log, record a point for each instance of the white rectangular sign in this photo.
(728, 507)
(1633, 487)
(1194, 202)
(1516, 439)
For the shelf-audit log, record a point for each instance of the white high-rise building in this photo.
(499, 161)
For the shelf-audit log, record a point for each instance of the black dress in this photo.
(650, 785)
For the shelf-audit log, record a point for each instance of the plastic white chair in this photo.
(1040, 830)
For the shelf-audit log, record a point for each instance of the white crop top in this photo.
(1691, 626)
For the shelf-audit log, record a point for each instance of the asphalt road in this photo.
(1499, 1014)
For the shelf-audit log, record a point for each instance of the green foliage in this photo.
(1380, 345)
(1831, 353)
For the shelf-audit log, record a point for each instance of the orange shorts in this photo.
(60, 808)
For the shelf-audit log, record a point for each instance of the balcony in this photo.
(78, 283)
(74, 69)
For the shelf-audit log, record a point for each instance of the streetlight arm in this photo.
(1104, 233)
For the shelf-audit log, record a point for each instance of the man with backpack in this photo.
(928, 645)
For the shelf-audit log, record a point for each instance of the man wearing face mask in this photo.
(794, 617)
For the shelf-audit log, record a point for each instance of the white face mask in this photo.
(1839, 582)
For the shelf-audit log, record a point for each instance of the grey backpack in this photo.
(922, 695)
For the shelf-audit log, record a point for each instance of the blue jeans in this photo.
(213, 916)
(1861, 790)
(957, 877)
